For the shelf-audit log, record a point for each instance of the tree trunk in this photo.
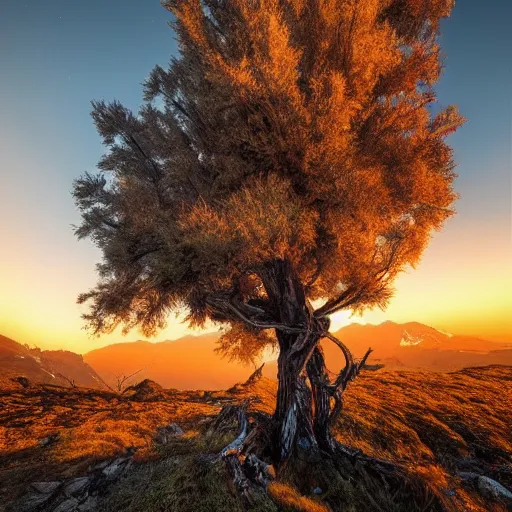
(317, 373)
(304, 409)
(294, 411)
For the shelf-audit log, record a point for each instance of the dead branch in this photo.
(71, 382)
(122, 379)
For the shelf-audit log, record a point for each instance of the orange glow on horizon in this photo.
(464, 293)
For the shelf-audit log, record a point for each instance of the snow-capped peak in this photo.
(408, 340)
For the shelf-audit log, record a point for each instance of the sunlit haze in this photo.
(57, 56)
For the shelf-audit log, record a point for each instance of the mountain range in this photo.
(191, 362)
(416, 346)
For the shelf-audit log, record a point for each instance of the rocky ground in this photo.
(150, 449)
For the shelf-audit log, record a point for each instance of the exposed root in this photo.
(250, 474)
(379, 485)
(235, 447)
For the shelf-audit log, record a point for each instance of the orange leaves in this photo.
(190, 16)
(291, 129)
(241, 75)
(446, 122)
(434, 9)
(281, 69)
(417, 19)
(262, 221)
(242, 344)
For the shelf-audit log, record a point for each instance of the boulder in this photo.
(52, 438)
(116, 468)
(69, 505)
(492, 489)
(45, 487)
(146, 391)
(22, 381)
(37, 495)
(32, 501)
(89, 505)
(77, 486)
(165, 434)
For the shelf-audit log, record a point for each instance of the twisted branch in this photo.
(348, 373)
(226, 307)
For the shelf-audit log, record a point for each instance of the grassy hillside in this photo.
(433, 425)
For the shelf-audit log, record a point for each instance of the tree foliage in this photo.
(286, 130)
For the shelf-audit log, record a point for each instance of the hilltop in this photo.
(155, 449)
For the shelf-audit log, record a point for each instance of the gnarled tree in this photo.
(293, 157)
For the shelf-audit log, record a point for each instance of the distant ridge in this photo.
(191, 363)
(186, 363)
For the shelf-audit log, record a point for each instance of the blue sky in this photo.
(57, 55)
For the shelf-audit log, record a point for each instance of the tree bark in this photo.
(293, 413)
(317, 373)
(307, 402)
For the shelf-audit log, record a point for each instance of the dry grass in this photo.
(431, 424)
(289, 499)
(435, 424)
(92, 426)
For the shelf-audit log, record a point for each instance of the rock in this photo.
(102, 465)
(76, 486)
(70, 505)
(146, 391)
(468, 475)
(175, 429)
(31, 502)
(37, 495)
(164, 434)
(117, 467)
(52, 438)
(23, 381)
(489, 487)
(317, 490)
(89, 505)
(113, 468)
(373, 367)
(45, 487)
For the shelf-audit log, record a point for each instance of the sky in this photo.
(58, 55)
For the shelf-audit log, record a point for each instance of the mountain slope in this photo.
(187, 363)
(44, 366)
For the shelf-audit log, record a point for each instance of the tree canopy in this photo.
(284, 130)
